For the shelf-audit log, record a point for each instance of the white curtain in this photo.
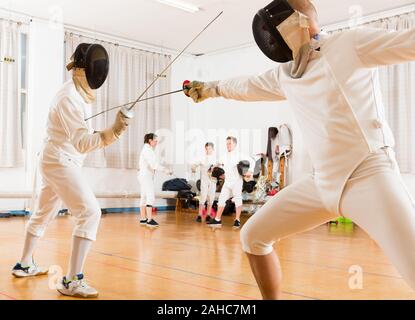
(398, 88)
(11, 149)
(131, 70)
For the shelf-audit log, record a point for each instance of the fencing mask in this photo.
(217, 172)
(282, 34)
(243, 167)
(93, 58)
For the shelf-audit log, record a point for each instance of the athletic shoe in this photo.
(215, 223)
(152, 224)
(208, 219)
(30, 271)
(199, 219)
(237, 224)
(143, 222)
(77, 288)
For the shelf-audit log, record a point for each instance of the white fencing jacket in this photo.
(205, 164)
(149, 162)
(338, 101)
(230, 164)
(69, 137)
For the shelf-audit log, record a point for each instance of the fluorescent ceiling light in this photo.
(180, 5)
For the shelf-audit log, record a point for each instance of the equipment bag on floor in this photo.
(176, 185)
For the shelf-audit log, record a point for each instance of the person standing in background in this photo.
(148, 165)
(207, 182)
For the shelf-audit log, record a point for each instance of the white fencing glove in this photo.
(113, 133)
(200, 91)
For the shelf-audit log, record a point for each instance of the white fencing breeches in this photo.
(148, 197)
(67, 184)
(231, 190)
(207, 191)
(375, 198)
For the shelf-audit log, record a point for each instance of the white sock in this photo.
(29, 248)
(80, 249)
(218, 220)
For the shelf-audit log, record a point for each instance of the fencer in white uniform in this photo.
(69, 139)
(232, 188)
(333, 88)
(207, 182)
(148, 165)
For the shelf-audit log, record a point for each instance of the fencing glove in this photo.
(200, 91)
(113, 133)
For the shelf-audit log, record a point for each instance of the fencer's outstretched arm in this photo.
(377, 47)
(263, 87)
(76, 130)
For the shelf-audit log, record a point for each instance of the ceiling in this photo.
(150, 22)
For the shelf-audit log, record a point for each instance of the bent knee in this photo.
(254, 242)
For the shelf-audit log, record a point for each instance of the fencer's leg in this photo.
(238, 213)
(80, 250)
(149, 210)
(237, 197)
(143, 213)
(224, 196)
(212, 194)
(72, 187)
(27, 268)
(268, 275)
(28, 249)
(143, 200)
(201, 217)
(219, 213)
(209, 210)
(46, 209)
(204, 189)
(151, 199)
(295, 209)
(381, 205)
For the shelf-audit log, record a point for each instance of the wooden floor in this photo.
(185, 260)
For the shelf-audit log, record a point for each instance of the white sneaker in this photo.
(30, 271)
(77, 288)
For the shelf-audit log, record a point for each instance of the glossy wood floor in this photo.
(185, 260)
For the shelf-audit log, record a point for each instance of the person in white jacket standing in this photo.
(148, 165)
(233, 185)
(333, 88)
(69, 139)
(207, 182)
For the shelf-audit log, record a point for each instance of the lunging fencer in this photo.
(332, 84)
(232, 188)
(69, 139)
(149, 164)
(207, 182)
